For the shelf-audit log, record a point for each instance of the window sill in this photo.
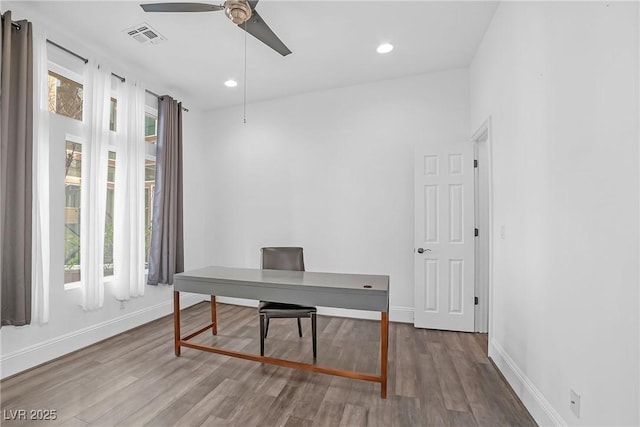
(77, 285)
(72, 285)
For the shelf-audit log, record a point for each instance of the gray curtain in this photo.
(166, 255)
(16, 148)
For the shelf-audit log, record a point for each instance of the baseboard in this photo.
(401, 314)
(396, 314)
(535, 402)
(53, 348)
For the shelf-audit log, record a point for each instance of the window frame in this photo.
(71, 75)
(58, 69)
(113, 146)
(76, 140)
(153, 112)
(69, 136)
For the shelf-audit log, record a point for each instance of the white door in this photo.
(444, 237)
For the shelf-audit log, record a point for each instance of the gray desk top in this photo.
(298, 287)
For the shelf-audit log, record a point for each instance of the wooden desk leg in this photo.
(384, 347)
(176, 322)
(214, 316)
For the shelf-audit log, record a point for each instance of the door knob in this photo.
(420, 250)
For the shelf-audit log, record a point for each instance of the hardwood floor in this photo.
(436, 378)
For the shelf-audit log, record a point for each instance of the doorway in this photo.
(444, 262)
(452, 254)
(481, 141)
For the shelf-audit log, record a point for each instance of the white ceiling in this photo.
(333, 43)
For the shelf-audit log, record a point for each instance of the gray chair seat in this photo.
(279, 309)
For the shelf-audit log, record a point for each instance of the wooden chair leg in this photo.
(266, 329)
(299, 328)
(313, 333)
(262, 335)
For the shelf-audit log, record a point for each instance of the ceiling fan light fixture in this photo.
(385, 48)
(231, 83)
(238, 11)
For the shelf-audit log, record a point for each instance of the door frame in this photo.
(483, 135)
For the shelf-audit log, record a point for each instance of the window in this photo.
(108, 223)
(149, 186)
(113, 115)
(150, 128)
(150, 137)
(65, 99)
(72, 186)
(65, 96)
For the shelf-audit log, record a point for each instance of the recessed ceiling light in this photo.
(385, 48)
(231, 83)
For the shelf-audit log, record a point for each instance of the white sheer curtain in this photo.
(94, 183)
(41, 248)
(128, 237)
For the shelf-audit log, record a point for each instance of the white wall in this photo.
(560, 83)
(331, 171)
(70, 327)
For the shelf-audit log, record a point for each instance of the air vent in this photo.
(145, 34)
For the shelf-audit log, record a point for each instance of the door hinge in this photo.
(475, 301)
(475, 163)
(476, 232)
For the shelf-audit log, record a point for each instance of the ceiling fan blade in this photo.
(180, 7)
(260, 30)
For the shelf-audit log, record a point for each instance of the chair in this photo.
(287, 258)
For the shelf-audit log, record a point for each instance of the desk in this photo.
(352, 291)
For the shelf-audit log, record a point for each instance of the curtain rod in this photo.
(14, 24)
(85, 60)
(81, 58)
(122, 79)
(70, 52)
(160, 97)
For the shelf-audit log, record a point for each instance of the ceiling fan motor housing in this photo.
(238, 11)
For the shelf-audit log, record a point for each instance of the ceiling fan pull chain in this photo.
(244, 103)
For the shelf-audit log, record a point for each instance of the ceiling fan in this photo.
(241, 12)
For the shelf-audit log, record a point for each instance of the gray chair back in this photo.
(282, 258)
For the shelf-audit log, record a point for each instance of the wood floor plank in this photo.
(504, 400)
(281, 407)
(452, 341)
(462, 419)
(405, 377)
(68, 422)
(454, 396)
(473, 348)
(407, 412)
(298, 422)
(329, 414)
(259, 405)
(380, 410)
(430, 391)
(436, 378)
(214, 421)
(353, 416)
(140, 415)
(484, 405)
(194, 416)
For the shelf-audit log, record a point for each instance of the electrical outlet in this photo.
(502, 232)
(122, 306)
(574, 402)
